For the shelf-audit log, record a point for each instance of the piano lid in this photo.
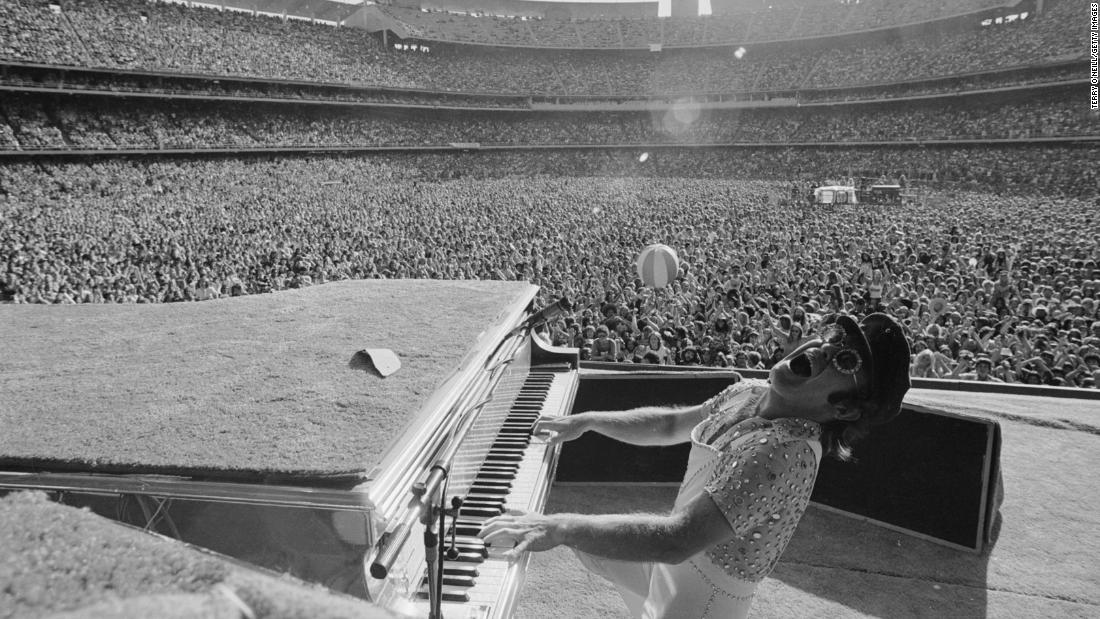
(244, 389)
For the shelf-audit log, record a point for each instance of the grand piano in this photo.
(350, 433)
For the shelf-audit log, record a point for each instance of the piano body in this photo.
(238, 425)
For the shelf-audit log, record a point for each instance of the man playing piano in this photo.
(754, 458)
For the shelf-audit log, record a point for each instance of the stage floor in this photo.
(1044, 563)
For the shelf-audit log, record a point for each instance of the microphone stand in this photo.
(433, 516)
(546, 314)
(432, 494)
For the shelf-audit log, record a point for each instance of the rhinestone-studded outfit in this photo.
(760, 473)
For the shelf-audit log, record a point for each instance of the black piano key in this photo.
(472, 549)
(467, 529)
(476, 497)
(483, 512)
(483, 488)
(486, 512)
(522, 418)
(491, 486)
(489, 482)
(490, 491)
(517, 442)
(468, 571)
(504, 457)
(453, 581)
(450, 594)
(469, 557)
(497, 473)
(480, 499)
(515, 434)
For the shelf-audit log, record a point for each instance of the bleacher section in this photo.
(136, 35)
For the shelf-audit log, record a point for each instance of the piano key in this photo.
(484, 511)
(471, 541)
(468, 557)
(467, 529)
(483, 490)
(484, 501)
(450, 594)
(498, 474)
(451, 580)
(503, 484)
(511, 440)
(482, 550)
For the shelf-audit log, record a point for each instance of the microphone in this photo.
(548, 313)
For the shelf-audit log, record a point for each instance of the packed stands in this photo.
(38, 122)
(778, 21)
(137, 35)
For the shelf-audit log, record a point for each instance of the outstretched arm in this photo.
(657, 538)
(641, 426)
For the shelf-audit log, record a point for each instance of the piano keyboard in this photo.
(516, 473)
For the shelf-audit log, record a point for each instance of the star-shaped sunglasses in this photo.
(847, 360)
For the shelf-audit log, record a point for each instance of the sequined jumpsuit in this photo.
(760, 473)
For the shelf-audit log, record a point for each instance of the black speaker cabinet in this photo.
(928, 473)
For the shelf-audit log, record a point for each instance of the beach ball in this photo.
(658, 265)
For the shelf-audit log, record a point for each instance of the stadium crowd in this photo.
(139, 35)
(989, 287)
(42, 122)
(775, 20)
(34, 78)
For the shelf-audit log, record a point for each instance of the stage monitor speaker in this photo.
(928, 473)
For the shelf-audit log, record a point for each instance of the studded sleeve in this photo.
(763, 483)
(726, 399)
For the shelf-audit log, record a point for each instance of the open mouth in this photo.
(801, 366)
